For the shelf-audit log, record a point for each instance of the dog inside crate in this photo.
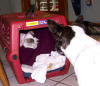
(38, 45)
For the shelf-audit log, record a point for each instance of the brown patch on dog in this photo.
(29, 40)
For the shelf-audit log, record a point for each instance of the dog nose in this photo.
(59, 51)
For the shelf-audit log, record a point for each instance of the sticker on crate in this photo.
(33, 23)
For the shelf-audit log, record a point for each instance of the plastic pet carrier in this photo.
(11, 25)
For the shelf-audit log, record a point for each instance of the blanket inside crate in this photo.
(46, 45)
(44, 63)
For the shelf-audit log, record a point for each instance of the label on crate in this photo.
(33, 23)
(42, 22)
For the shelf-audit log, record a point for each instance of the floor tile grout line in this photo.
(54, 80)
(57, 82)
(67, 76)
(63, 78)
(61, 83)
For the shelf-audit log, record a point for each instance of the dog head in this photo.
(28, 40)
(62, 35)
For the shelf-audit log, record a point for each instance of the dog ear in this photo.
(54, 27)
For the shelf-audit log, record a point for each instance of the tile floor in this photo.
(68, 79)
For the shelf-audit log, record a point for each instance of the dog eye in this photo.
(60, 42)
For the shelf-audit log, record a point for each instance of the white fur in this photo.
(84, 54)
(22, 36)
(24, 43)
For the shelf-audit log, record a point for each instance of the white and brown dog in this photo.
(82, 51)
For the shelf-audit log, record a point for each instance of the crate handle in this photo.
(30, 11)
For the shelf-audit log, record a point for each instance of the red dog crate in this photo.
(11, 25)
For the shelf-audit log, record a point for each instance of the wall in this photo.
(10, 6)
(5, 7)
(71, 13)
(15, 5)
(91, 13)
